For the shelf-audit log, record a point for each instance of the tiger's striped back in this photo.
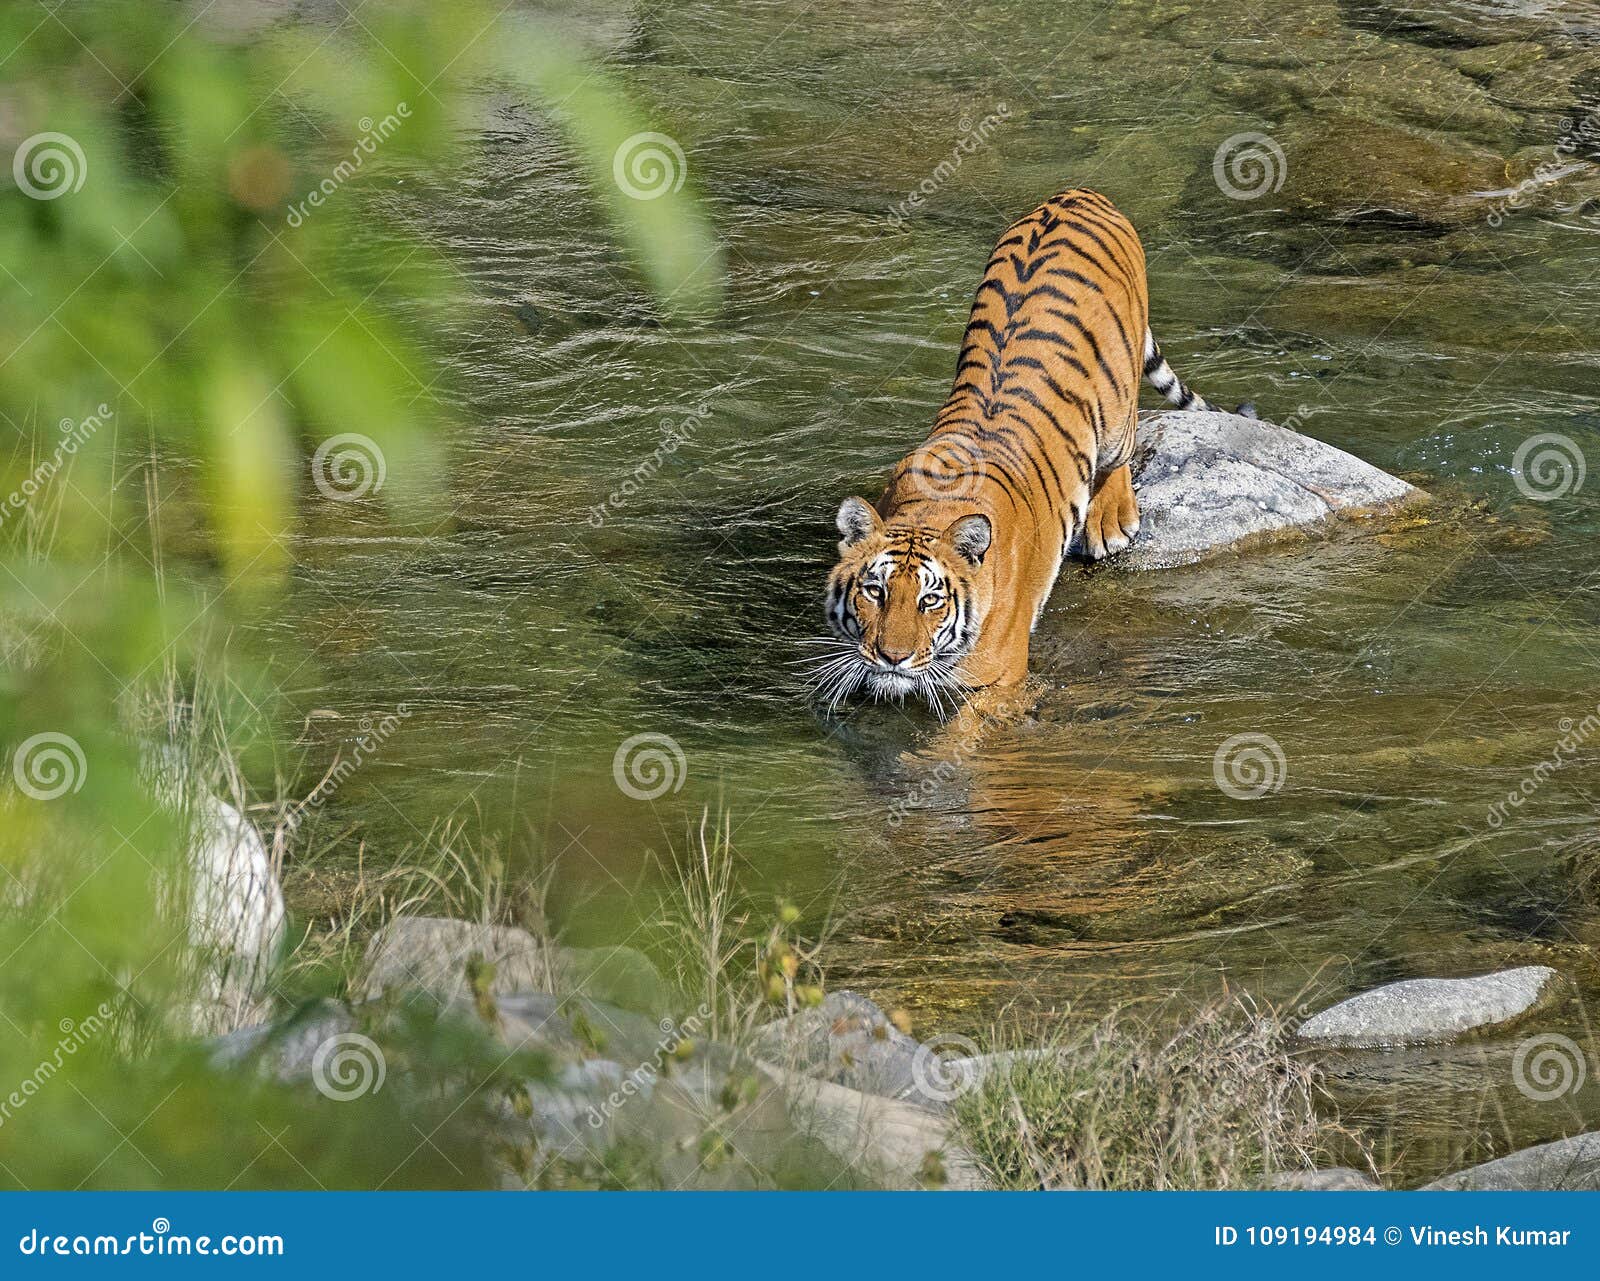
(1047, 381)
(1035, 435)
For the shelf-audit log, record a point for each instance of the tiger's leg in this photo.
(1113, 517)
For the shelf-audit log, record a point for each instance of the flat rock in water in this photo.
(1425, 1011)
(1210, 481)
(1565, 1165)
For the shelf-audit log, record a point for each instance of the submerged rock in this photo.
(1567, 1165)
(1210, 481)
(1423, 1011)
(1340, 1178)
(1347, 170)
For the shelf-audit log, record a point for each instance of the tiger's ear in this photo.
(970, 536)
(856, 520)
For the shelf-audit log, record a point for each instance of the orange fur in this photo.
(1034, 439)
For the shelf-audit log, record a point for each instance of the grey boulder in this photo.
(1565, 1165)
(287, 1050)
(1207, 482)
(847, 1040)
(1427, 1011)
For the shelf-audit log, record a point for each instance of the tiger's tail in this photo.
(1160, 376)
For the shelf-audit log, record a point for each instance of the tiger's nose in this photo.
(894, 657)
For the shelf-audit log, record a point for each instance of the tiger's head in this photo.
(905, 604)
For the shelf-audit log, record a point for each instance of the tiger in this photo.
(940, 583)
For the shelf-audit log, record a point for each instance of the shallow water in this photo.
(1382, 298)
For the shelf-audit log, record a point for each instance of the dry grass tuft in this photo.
(1219, 1103)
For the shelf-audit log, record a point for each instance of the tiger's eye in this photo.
(930, 601)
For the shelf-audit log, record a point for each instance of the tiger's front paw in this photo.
(1113, 517)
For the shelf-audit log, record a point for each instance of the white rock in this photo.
(1209, 481)
(235, 916)
(887, 1140)
(1425, 1011)
(1565, 1165)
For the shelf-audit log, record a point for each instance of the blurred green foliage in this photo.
(190, 305)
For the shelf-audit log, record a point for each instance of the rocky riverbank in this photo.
(605, 1080)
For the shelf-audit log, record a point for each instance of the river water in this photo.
(1376, 276)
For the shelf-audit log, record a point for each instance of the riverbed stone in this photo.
(1339, 1178)
(1566, 1165)
(848, 1040)
(888, 1142)
(286, 1049)
(1427, 1011)
(1207, 482)
(431, 954)
(1345, 169)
